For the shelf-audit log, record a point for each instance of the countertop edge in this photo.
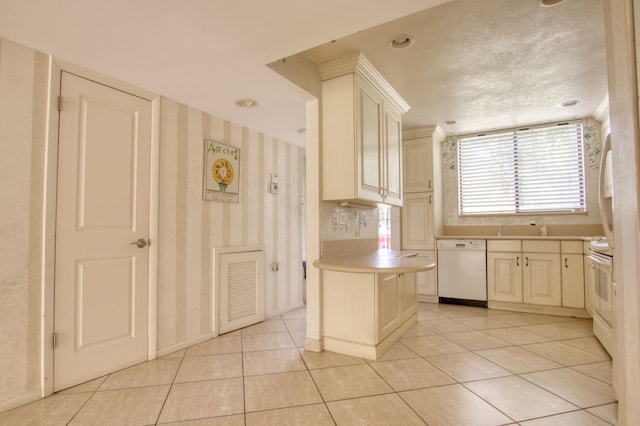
(378, 262)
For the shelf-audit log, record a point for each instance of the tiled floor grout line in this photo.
(586, 346)
(324, 402)
(87, 401)
(520, 375)
(166, 398)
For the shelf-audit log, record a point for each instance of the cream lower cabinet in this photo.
(573, 278)
(365, 313)
(426, 282)
(588, 277)
(418, 221)
(541, 279)
(504, 276)
(536, 272)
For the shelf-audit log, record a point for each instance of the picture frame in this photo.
(221, 174)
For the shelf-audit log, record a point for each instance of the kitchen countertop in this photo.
(515, 237)
(377, 262)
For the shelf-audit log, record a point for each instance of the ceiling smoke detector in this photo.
(246, 103)
(401, 41)
(550, 3)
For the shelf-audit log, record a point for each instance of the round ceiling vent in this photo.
(549, 3)
(246, 103)
(401, 41)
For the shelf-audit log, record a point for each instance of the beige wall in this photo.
(23, 85)
(593, 144)
(188, 226)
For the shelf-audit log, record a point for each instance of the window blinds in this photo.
(533, 170)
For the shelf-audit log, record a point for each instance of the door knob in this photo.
(141, 243)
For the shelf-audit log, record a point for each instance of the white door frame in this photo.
(56, 66)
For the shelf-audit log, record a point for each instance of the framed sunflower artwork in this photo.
(221, 172)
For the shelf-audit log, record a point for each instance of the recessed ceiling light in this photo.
(570, 103)
(549, 3)
(246, 103)
(401, 41)
(450, 122)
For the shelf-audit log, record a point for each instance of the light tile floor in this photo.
(457, 366)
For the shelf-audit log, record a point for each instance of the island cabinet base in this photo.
(364, 314)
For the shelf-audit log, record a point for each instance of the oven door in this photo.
(602, 293)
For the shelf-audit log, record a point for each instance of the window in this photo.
(384, 227)
(532, 170)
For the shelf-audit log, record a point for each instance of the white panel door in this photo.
(101, 280)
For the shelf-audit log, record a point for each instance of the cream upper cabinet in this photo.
(418, 221)
(361, 133)
(418, 164)
(393, 159)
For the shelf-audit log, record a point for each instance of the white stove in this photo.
(603, 293)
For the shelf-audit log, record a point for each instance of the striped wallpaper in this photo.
(189, 226)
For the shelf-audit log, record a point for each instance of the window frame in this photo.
(517, 201)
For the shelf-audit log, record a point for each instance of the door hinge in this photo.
(59, 103)
(54, 340)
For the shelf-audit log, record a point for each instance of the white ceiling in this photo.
(484, 63)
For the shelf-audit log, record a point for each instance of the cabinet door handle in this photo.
(429, 183)
(430, 198)
(527, 260)
(517, 260)
(566, 265)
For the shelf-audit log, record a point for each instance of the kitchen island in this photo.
(369, 300)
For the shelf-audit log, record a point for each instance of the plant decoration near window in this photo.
(523, 171)
(221, 180)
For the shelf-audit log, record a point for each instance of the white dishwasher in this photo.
(462, 272)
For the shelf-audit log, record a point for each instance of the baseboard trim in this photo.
(18, 401)
(284, 311)
(539, 309)
(183, 345)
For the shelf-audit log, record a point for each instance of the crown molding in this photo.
(357, 64)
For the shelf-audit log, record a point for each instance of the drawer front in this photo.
(504, 245)
(571, 247)
(538, 246)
